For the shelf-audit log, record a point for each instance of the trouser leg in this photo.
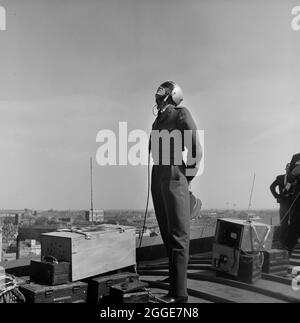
(159, 208)
(176, 200)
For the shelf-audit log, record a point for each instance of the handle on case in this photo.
(78, 231)
(50, 259)
(48, 292)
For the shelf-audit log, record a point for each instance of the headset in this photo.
(166, 90)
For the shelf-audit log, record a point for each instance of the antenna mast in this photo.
(251, 194)
(91, 171)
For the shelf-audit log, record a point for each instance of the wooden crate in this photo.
(240, 234)
(276, 261)
(47, 273)
(93, 250)
(66, 293)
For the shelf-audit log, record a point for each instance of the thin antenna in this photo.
(251, 194)
(92, 206)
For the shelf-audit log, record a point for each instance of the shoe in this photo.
(171, 299)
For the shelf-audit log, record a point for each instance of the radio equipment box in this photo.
(249, 269)
(66, 293)
(244, 235)
(225, 259)
(130, 292)
(92, 250)
(276, 262)
(49, 272)
(99, 287)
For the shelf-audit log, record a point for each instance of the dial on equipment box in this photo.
(92, 250)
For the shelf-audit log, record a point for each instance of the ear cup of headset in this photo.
(177, 94)
(169, 89)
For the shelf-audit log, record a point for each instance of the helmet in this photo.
(170, 90)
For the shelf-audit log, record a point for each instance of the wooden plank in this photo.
(294, 262)
(280, 288)
(195, 259)
(272, 289)
(218, 290)
(160, 267)
(159, 292)
(279, 279)
(192, 292)
(261, 287)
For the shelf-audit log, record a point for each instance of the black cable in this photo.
(288, 211)
(147, 203)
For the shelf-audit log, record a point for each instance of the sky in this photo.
(71, 68)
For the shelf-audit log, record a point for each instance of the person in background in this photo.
(283, 197)
(293, 232)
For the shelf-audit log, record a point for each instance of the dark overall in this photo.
(171, 200)
(284, 199)
(293, 233)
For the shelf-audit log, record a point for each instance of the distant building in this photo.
(65, 220)
(12, 213)
(94, 215)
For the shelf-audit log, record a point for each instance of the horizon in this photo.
(140, 210)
